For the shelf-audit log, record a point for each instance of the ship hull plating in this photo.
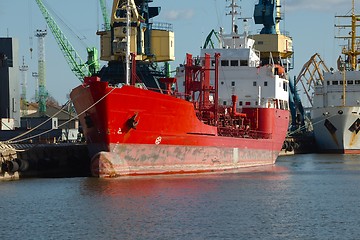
(135, 159)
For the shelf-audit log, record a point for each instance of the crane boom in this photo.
(80, 68)
(209, 41)
(105, 15)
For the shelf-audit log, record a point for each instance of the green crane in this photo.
(209, 41)
(105, 15)
(80, 68)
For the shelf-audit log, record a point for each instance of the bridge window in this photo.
(243, 62)
(285, 86)
(120, 13)
(350, 82)
(233, 84)
(335, 82)
(254, 84)
(357, 81)
(240, 103)
(234, 63)
(224, 63)
(265, 83)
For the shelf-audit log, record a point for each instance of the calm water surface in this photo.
(301, 197)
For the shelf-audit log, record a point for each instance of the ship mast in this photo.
(128, 29)
(351, 50)
(233, 13)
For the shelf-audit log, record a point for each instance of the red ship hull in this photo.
(133, 131)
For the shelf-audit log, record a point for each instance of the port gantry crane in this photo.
(79, 67)
(150, 42)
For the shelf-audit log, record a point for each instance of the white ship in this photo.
(336, 104)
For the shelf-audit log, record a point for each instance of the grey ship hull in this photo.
(336, 129)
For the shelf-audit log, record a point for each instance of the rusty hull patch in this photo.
(137, 159)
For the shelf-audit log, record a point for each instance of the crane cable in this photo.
(53, 13)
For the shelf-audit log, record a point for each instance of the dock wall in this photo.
(54, 160)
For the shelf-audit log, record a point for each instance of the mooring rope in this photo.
(71, 119)
(41, 124)
(303, 127)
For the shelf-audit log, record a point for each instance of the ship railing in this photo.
(162, 26)
(338, 88)
(242, 133)
(172, 92)
(182, 95)
(159, 90)
(286, 33)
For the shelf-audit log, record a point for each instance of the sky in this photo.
(310, 24)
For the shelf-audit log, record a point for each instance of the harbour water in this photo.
(310, 196)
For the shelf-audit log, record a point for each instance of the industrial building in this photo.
(9, 82)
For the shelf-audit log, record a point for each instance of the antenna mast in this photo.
(351, 50)
(233, 13)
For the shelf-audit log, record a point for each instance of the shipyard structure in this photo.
(62, 127)
(9, 82)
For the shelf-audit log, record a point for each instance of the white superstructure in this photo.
(242, 72)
